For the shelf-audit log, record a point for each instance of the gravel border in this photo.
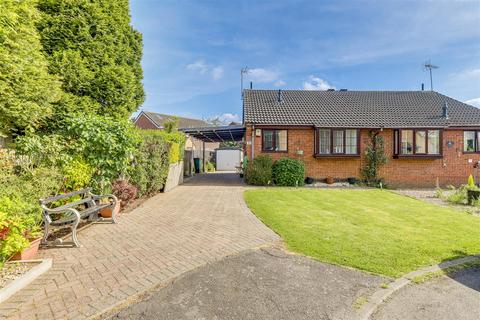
(24, 280)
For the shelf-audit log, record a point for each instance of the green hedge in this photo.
(288, 172)
(263, 171)
(176, 141)
(158, 149)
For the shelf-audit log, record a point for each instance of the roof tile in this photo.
(360, 109)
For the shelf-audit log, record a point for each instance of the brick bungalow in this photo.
(429, 138)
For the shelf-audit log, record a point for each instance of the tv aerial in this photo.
(428, 66)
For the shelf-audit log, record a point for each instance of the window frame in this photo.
(397, 143)
(331, 153)
(476, 142)
(274, 141)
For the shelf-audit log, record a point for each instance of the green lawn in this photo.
(373, 230)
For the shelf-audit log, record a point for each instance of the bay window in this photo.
(274, 140)
(471, 141)
(324, 138)
(337, 142)
(338, 145)
(417, 142)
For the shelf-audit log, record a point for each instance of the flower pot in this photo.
(472, 196)
(308, 180)
(352, 180)
(30, 252)
(108, 212)
(330, 180)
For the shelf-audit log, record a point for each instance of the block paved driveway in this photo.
(198, 222)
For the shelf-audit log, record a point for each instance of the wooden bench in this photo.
(69, 215)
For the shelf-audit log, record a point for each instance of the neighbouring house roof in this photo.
(159, 120)
(357, 109)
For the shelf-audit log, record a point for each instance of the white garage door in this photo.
(228, 159)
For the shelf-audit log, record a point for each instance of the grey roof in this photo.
(159, 119)
(356, 109)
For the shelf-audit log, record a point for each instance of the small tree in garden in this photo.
(27, 91)
(92, 46)
(171, 125)
(259, 171)
(374, 158)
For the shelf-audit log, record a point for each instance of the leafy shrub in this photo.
(124, 191)
(30, 186)
(288, 172)
(174, 156)
(77, 174)
(259, 171)
(458, 196)
(16, 208)
(12, 239)
(209, 167)
(175, 139)
(171, 125)
(106, 144)
(41, 150)
(151, 163)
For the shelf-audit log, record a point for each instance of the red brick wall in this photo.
(144, 123)
(454, 168)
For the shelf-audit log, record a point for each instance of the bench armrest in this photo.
(48, 212)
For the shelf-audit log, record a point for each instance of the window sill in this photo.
(418, 156)
(273, 151)
(471, 152)
(337, 156)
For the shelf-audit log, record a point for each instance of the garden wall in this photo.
(175, 176)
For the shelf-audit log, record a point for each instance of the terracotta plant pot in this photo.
(30, 252)
(107, 212)
(330, 180)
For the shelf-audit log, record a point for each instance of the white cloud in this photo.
(262, 75)
(315, 83)
(202, 67)
(468, 74)
(229, 117)
(217, 72)
(279, 83)
(474, 102)
(199, 66)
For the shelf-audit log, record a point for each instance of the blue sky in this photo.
(194, 50)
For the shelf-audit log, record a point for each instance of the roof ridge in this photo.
(343, 91)
(173, 116)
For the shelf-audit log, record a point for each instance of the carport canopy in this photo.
(217, 134)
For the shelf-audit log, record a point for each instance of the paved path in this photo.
(259, 284)
(456, 296)
(199, 222)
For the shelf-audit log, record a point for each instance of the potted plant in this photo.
(20, 238)
(110, 211)
(473, 192)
